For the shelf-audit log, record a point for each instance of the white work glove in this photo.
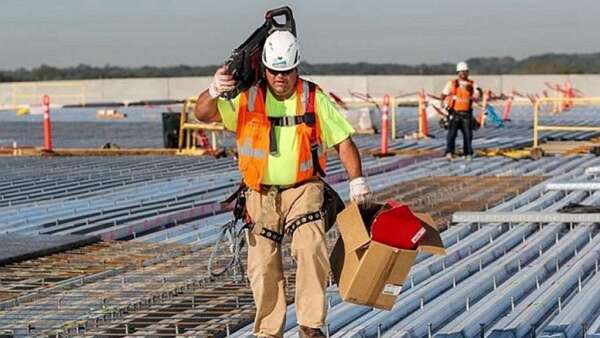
(222, 82)
(359, 191)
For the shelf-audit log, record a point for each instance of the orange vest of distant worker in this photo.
(460, 98)
(255, 135)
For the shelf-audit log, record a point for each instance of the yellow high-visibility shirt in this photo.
(281, 168)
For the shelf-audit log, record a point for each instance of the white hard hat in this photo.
(281, 51)
(462, 67)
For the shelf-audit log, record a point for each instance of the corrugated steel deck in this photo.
(507, 277)
(512, 278)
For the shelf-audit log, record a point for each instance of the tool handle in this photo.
(289, 24)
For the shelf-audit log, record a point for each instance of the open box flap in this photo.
(432, 242)
(352, 228)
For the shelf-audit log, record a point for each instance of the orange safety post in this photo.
(47, 123)
(384, 124)
(486, 97)
(423, 126)
(508, 106)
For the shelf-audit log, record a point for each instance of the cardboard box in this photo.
(371, 273)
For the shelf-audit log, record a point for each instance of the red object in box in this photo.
(395, 225)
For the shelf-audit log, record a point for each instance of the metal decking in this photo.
(501, 277)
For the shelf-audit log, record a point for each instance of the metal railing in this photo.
(537, 127)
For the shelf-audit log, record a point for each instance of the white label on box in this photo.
(391, 289)
(417, 237)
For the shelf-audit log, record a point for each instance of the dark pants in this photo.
(460, 121)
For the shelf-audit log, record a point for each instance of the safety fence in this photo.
(540, 107)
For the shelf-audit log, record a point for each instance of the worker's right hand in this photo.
(222, 82)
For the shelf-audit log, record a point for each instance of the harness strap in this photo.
(306, 218)
(273, 142)
(252, 98)
(239, 208)
(454, 91)
(272, 235)
(234, 195)
(314, 142)
(289, 121)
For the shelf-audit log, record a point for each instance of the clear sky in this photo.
(202, 32)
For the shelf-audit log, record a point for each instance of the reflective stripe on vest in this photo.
(247, 150)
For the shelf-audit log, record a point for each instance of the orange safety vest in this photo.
(255, 135)
(460, 98)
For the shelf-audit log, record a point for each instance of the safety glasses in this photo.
(282, 72)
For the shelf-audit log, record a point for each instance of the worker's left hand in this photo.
(359, 191)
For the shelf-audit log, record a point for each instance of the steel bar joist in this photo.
(472, 246)
(592, 170)
(524, 217)
(586, 186)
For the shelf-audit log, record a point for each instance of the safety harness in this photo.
(255, 101)
(309, 118)
(240, 213)
(306, 218)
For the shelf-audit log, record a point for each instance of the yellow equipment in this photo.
(190, 128)
(515, 154)
(22, 111)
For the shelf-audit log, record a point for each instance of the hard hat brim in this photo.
(282, 69)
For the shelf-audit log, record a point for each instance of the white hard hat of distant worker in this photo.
(281, 52)
(462, 67)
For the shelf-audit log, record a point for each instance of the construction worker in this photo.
(458, 96)
(282, 126)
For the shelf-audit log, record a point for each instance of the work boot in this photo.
(449, 156)
(309, 332)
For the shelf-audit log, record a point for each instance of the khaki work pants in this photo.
(275, 210)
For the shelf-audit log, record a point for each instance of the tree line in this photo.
(540, 64)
